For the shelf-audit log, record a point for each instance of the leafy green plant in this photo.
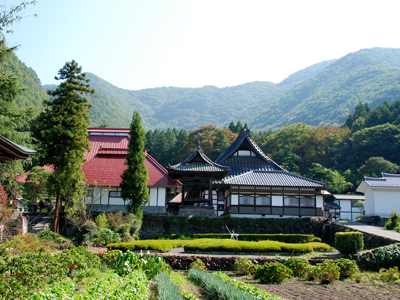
(247, 288)
(244, 266)
(215, 288)
(273, 272)
(391, 274)
(110, 257)
(393, 221)
(299, 266)
(78, 258)
(101, 221)
(150, 264)
(198, 265)
(166, 288)
(348, 268)
(327, 272)
(349, 242)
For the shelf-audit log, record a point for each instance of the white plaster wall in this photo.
(345, 215)
(162, 192)
(345, 205)
(277, 200)
(320, 201)
(386, 201)
(369, 204)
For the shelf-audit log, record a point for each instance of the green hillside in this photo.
(327, 98)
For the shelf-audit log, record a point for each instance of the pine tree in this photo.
(61, 134)
(134, 179)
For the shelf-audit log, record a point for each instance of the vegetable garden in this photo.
(77, 273)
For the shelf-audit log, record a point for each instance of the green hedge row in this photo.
(228, 245)
(285, 238)
(221, 245)
(349, 242)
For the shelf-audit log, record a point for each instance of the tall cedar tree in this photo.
(61, 134)
(134, 179)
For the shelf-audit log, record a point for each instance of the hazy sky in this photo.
(188, 43)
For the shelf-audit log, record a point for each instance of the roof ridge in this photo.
(390, 175)
(237, 176)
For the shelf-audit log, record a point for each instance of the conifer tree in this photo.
(134, 179)
(61, 134)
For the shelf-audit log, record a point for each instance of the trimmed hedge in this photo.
(285, 238)
(321, 247)
(228, 245)
(349, 242)
(156, 245)
(382, 257)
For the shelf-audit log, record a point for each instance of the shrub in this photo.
(316, 239)
(299, 266)
(327, 272)
(382, 257)
(244, 266)
(389, 275)
(167, 290)
(110, 257)
(349, 242)
(25, 243)
(310, 273)
(393, 221)
(273, 272)
(101, 221)
(348, 267)
(106, 236)
(78, 258)
(198, 265)
(320, 247)
(157, 245)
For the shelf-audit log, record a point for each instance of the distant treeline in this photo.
(366, 145)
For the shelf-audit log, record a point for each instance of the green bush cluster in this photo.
(327, 272)
(110, 257)
(52, 237)
(244, 266)
(167, 290)
(110, 228)
(285, 238)
(393, 222)
(348, 267)
(321, 247)
(198, 265)
(215, 288)
(229, 245)
(298, 265)
(349, 242)
(382, 257)
(272, 272)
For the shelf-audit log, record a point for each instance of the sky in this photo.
(138, 44)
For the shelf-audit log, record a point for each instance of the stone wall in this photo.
(154, 225)
(16, 224)
(371, 241)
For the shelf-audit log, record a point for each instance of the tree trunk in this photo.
(57, 214)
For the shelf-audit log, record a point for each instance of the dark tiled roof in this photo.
(387, 180)
(242, 164)
(198, 162)
(273, 178)
(348, 197)
(10, 150)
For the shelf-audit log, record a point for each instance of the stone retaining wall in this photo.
(16, 224)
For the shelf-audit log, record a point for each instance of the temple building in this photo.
(11, 151)
(245, 182)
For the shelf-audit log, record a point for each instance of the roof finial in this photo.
(198, 143)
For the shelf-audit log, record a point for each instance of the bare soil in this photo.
(296, 288)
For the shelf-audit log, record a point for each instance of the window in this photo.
(89, 193)
(291, 201)
(263, 200)
(246, 200)
(308, 201)
(115, 194)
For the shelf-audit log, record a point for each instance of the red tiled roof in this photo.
(119, 130)
(22, 178)
(105, 163)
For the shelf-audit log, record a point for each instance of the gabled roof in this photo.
(242, 164)
(274, 179)
(197, 162)
(11, 151)
(106, 162)
(385, 181)
(348, 197)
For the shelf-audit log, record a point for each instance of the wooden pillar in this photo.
(210, 193)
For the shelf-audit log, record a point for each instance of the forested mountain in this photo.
(327, 98)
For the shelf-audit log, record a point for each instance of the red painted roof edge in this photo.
(162, 169)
